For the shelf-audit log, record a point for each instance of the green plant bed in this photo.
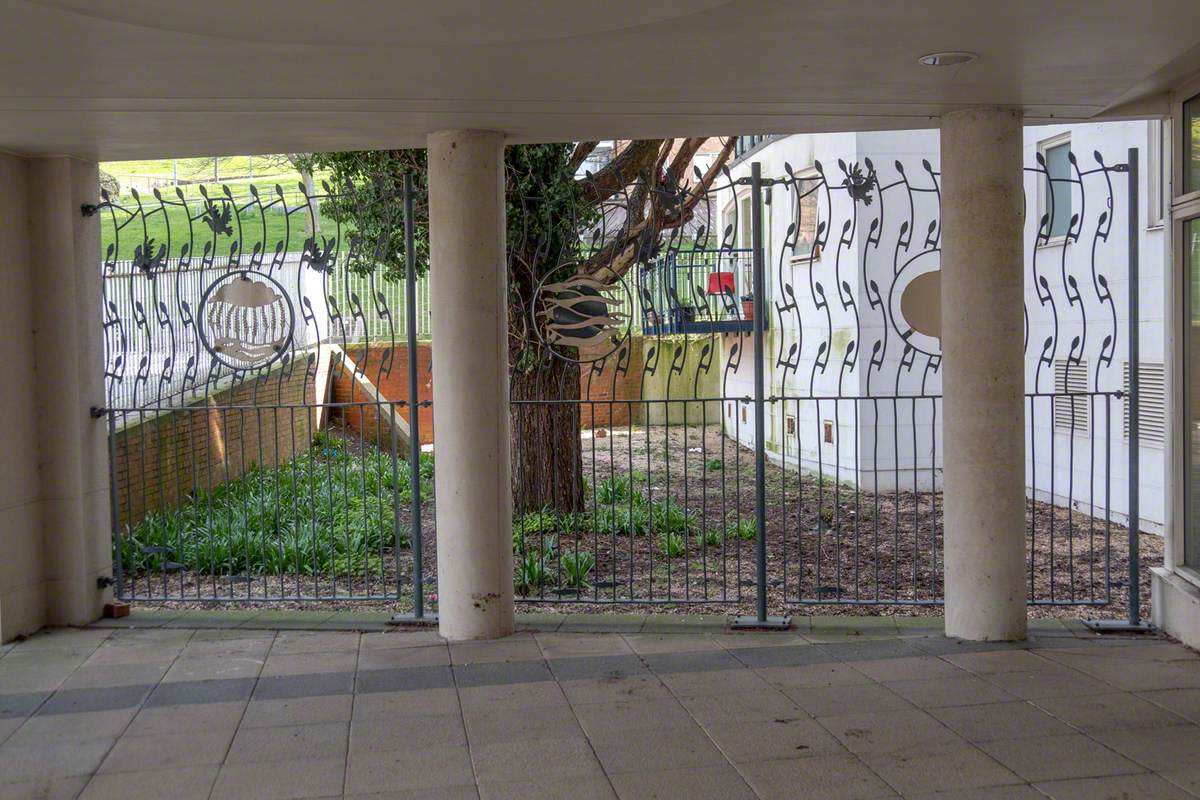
(327, 512)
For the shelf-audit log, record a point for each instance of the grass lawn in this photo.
(168, 224)
(197, 168)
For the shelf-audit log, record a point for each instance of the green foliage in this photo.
(571, 522)
(673, 545)
(623, 520)
(624, 511)
(714, 465)
(745, 528)
(576, 566)
(542, 522)
(619, 491)
(671, 517)
(109, 183)
(375, 207)
(545, 209)
(532, 569)
(326, 512)
(712, 538)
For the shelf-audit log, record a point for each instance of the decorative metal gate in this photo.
(262, 370)
(761, 436)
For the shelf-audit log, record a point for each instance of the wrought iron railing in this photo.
(789, 459)
(175, 290)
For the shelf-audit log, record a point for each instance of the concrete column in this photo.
(68, 346)
(983, 377)
(22, 588)
(470, 382)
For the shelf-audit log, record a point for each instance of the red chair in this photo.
(720, 282)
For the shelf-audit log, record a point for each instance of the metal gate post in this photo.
(760, 619)
(414, 422)
(114, 501)
(1134, 623)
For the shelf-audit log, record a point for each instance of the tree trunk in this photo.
(547, 465)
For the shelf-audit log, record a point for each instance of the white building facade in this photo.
(853, 357)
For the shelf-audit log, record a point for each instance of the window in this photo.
(745, 242)
(1191, 344)
(1070, 399)
(807, 210)
(745, 223)
(1158, 171)
(1054, 196)
(1191, 145)
(745, 144)
(1152, 408)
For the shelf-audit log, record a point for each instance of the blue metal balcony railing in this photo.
(697, 291)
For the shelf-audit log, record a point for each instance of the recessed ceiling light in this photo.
(951, 58)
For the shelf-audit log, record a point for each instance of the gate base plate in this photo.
(409, 619)
(753, 623)
(1118, 626)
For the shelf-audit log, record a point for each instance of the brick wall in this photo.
(162, 458)
(598, 387)
(389, 374)
(390, 377)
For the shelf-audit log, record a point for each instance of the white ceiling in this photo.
(160, 78)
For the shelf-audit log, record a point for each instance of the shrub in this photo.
(619, 492)
(672, 545)
(576, 566)
(714, 464)
(670, 517)
(745, 528)
(623, 521)
(534, 523)
(325, 512)
(531, 571)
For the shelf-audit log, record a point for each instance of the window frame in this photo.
(1044, 187)
(805, 177)
(1187, 551)
(1182, 209)
(1158, 172)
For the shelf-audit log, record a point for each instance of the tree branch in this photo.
(579, 155)
(647, 217)
(622, 171)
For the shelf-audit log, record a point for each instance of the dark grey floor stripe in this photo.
(696, 661)
(180, 693)
(578, 667)
(67, 701)
(20, 705)
(318, 684)
(782, 655)
(403, 679)
(501, 673)
(108, 698)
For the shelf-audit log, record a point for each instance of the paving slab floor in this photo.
(203, 705)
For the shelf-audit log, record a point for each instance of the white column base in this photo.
(1175, 604)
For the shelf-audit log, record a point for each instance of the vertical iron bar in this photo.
(1134, 446)
(760, 453)
(114, 500)
(414, 405)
